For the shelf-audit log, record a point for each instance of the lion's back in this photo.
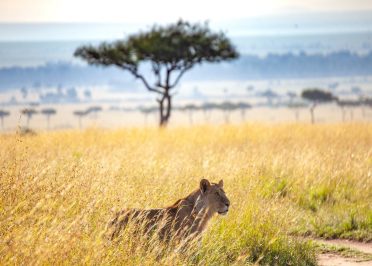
(143, 219)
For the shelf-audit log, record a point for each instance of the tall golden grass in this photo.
(59, 190)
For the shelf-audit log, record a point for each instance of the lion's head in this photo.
(214, 196)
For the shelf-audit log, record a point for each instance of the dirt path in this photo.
(335, 259)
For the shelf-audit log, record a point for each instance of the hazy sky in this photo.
(163, 10)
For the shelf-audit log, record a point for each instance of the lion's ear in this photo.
(204, 185)
(220, 184)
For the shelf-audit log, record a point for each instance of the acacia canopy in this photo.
(170, 51)
(316, 96)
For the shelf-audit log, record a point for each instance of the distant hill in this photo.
(272, 66)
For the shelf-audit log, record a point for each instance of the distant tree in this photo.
(48, 112)
(3, 114)
(342, 104)
(357, 91)
(243, 108)
(29, 112)
(94, 110)
(292, 96)
(296, 106)
(316, 96)
(270, 96)
(365, 102)
(368, 102)
(226, 108)
(170, 51)
(114, 108)
(146, 111)
(190, 108)
(207, 108)
(80, 115)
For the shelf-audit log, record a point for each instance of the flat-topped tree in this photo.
(169, 50)
(94, 110)
(3, 114)
(316, 96)
(146, 111)
(343, 104)
(48, 112)
(227, 107)
(80, 115)
(296, 106)
(190, 108)
(207, 108)
(243, 106)
(270, 96)
(29, 112)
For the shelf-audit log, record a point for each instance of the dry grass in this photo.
(58, 190)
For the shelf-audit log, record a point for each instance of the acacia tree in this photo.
(94, 110)
(169, 50)
(29, 112)
(146, 111)
(243, 106)
(3, 114)
(296, 106)
(343, 104)
(190, 108)
(226, 108)
(270, 96)
(316, 96)
(80, 115)
(48, 112)
(207, 108)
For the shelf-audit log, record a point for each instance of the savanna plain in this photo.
(287, 183)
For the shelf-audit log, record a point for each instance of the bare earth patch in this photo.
(337, 260)
(361, 257)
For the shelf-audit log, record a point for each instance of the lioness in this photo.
(184, 219)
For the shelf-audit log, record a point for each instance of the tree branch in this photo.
(135, 73)
(156, 68)
(179, 76)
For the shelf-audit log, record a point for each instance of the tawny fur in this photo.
(186, 218)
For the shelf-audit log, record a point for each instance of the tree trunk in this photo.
(169, 107)
(161, 112)
(312, 114)
(48, 122)
(165, 107)
(2, 122)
